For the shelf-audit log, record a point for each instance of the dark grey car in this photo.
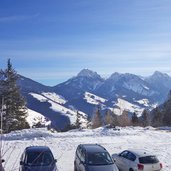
(93, 157)
(37, 158)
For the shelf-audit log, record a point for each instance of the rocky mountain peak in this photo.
(88, 73)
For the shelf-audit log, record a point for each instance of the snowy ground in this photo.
(63, 145)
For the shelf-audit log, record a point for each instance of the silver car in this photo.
(136, 160)
(93, 157)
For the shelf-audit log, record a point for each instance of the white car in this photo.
(136, 160)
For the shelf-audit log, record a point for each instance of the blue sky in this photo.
(51, 41)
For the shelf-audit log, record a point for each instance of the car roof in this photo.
(93, 148)
(140, 152)
(37, 148)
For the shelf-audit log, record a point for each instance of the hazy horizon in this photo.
(102, 76)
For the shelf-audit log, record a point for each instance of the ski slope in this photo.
(63, 145)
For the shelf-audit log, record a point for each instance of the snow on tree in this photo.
(15, 109)
(78, 123)
(96, 119)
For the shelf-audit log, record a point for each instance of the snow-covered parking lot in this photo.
(63, 145)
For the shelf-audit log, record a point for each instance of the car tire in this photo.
(131, 169)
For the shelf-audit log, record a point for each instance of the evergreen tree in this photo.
(157, 119)
(167, 112)
(124, 119)
(134, 119)
(97, 119)
(15, 110)
(78, 124)
(115, 119)
(110, 119)
(145, 118)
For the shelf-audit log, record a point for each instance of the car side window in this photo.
(78, 152)
(124, 154)
(82, 156)
(23, 157)
(131, 156)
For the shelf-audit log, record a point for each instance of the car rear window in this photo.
(148, 160)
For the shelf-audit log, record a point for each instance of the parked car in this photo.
(93, 157)
(136, 160)
(37, 158)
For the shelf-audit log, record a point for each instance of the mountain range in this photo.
(87, 90)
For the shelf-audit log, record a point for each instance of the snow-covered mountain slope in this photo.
(144, 102)
(161, 83)
(122, 105)
(87, 90)
(93, 99)
(34, 118)
(129, 85)
(54, 97)
(55, 102)
(63, 145)
(86, 80)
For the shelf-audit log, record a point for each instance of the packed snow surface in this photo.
(63, 145)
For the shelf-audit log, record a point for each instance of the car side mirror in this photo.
(2, 160)
(21, 163)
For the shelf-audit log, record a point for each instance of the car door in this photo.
(22, 162)
(123, 162)
(77, 158)
(82, 160)
(131, 160)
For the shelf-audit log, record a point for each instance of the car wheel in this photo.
(131, 169)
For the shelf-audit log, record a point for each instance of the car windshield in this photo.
(39, 158)
(148, 160)
(100, 158)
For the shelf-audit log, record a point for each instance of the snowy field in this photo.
(63, 145)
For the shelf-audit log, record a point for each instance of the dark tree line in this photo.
(125, 119)
(162, 115)
(14, 106)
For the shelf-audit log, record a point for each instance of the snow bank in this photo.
(63, 145)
